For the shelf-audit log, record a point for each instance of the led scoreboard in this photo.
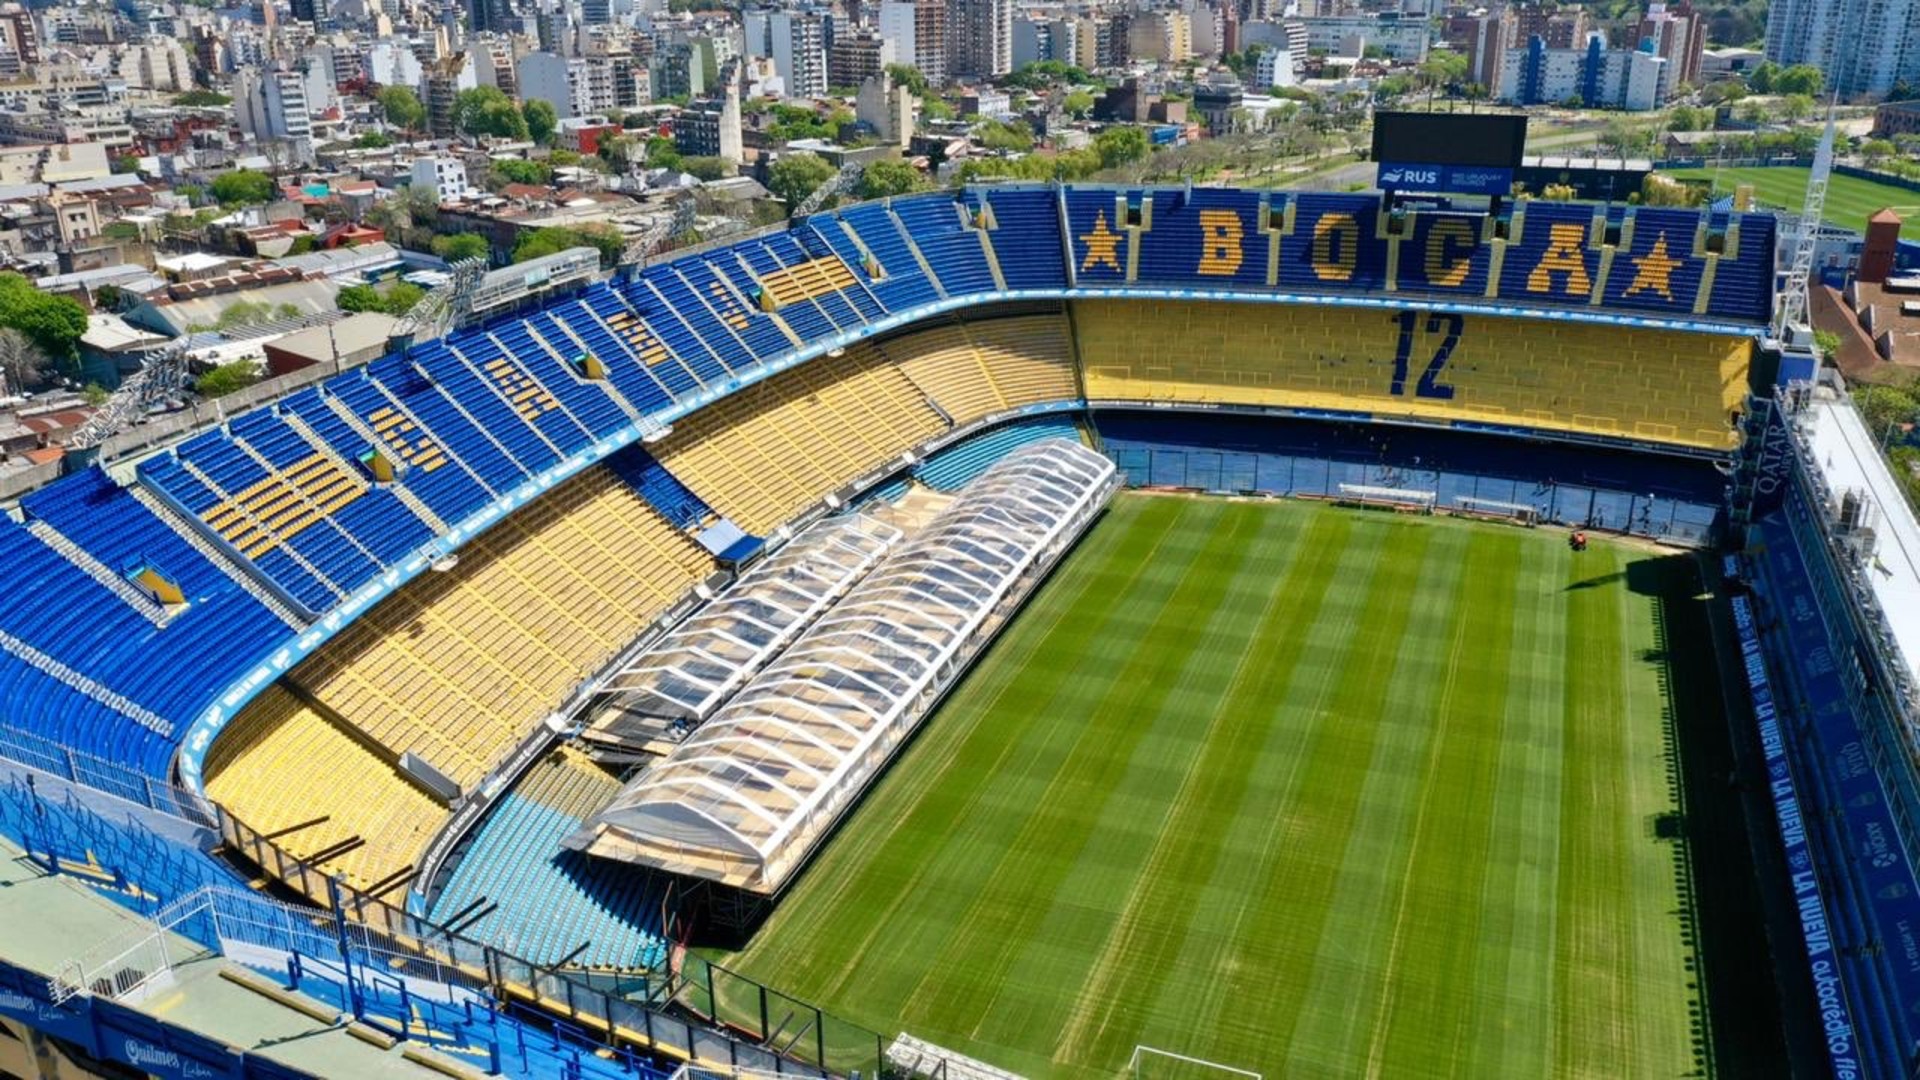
(1467, 153)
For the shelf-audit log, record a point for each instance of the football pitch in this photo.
(1850, 200)
(1298, 789)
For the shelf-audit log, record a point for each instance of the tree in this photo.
(1800, 79)
(1118, 146)
(883, 178)
(796, 176)
(96, 395)
(22, 363)
(935, 109)
(461, 246)
(205, 99)
(398, 299)
(706, 168)
(373, 140)
(1826, 343)
(521, 171)
(54, 323)
(661, 153)
(908, 76)
(402, 107)
(1001, 136)
(1877, 150)
(1078, 104)
(227, 378)
(484, 110)
(242, 187)
(303, 245)
(1760, 79)
(126, 164)
(1796, 107)
(557, 238)
(541, 119)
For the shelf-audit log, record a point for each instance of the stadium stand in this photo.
(940, 230)
(283, 765)
(667, 495)
(1026, 236)
(456, 666)
(548, 902)
(1644, 384)
(976, 369)
(117, 857)
(764, 453)
(954, 467)
(899, 278)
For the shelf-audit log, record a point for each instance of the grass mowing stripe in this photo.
(949, 766)
(1514, 972)
(1591, 967)
(1147, 952)
(972, 835)
(1291, 563)
(1000, 916)
(1353, 965)
(1428, 1001)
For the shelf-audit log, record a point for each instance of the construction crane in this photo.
(160, 381)
(443, 307)
(660, 230)
(1790, 325)
(838, 184)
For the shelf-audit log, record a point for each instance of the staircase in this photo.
(407, 498)
(156, 613)
(239, 575)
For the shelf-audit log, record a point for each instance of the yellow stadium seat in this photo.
(1634, 382)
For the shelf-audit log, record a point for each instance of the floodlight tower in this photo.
(1790, 326)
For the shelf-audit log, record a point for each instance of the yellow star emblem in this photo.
(1103, 246)
(1653, 272)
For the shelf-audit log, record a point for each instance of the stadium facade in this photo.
(346, 634)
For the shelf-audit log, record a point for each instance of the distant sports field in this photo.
(1850, 200)
(1309, 791)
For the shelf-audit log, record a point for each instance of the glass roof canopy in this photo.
(706, 658)
(745, 798)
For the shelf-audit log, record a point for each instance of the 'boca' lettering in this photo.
(1336, 247)
(1565, 254)
(1220, 233)
(1449, 252)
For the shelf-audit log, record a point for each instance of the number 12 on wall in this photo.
(1429, 385)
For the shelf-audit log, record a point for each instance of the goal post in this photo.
(1153, 1063)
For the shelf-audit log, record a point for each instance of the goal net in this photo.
(1151, 1063)
(1494, 508)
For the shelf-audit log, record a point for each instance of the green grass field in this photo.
(1309, 791)
(1849, 199)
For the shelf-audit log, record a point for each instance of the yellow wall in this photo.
(1657, 385)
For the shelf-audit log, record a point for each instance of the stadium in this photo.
(1024, 631)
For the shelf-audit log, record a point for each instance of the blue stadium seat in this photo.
(543, 351)
(1026, 237)
(553, 901)
(662, 490)
(1550, 257)
(723, 294)
(954, 467)
(710, 348)
(582, 319)
(1209, 237)
(390, 388)
(849, 307)
(377, 522)
(1097, 234)
(905, 284)
(947, 242)
(1335, 243)
(1444, 252)
(1743, 282)
(1657, 265)
(807, 318)
(490, 362)
(460, 382)
(641, 306)
(431, 472)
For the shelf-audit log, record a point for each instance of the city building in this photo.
(979, 38)
(710, 127)
(271, 107)
(1595, 76)
(857, 57)
(1404, 40)
(1679, 36)
(1863, 46)
(918, 31)
(445, 177)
